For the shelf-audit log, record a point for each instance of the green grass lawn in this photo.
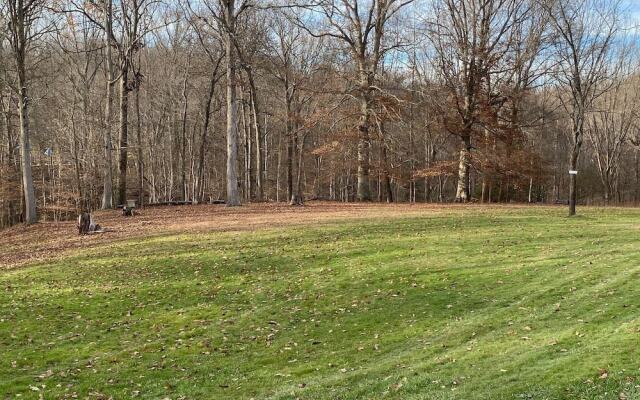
(476, 304)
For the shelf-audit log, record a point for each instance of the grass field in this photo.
(504, 303)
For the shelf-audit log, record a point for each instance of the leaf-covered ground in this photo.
(505, 303)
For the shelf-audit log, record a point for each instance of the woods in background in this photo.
(161, 101)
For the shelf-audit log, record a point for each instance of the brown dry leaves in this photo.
(21, 245)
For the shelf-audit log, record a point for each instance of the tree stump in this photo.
(84, 223)
(86, 226)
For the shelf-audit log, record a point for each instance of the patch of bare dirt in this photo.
(23, 245)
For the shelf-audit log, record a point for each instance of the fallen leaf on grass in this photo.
(46, 375)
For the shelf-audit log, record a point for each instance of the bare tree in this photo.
(471, 40)
(125, 30)
(295, 60)
(107, 194)
(586, 32)
(360, 25)
(26, 25)
(608, 129)
(222, 17)
(135, 22)
(250, 57)
(228, 17)
(213, 48)
(79, 43)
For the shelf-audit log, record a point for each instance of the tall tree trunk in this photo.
(233, 196)
(20, 22)
(573, 165)
(573, 194)
(246, 129)
(364, 190)
(385, 166)
(11, 144)
(205, 136)
(278, 166)
(290, 143)
(257, 127)
(107, 194)
(296, 197)
(387, 177)
(462, 192)
(607, 187)
(183, 138)
(80, 203)
(124, 126)
(412, 162)
(31, 216)
(139, 150)
(87, 185)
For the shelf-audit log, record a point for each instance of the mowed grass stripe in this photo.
(486, 304)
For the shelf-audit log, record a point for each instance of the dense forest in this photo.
(104, 101)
